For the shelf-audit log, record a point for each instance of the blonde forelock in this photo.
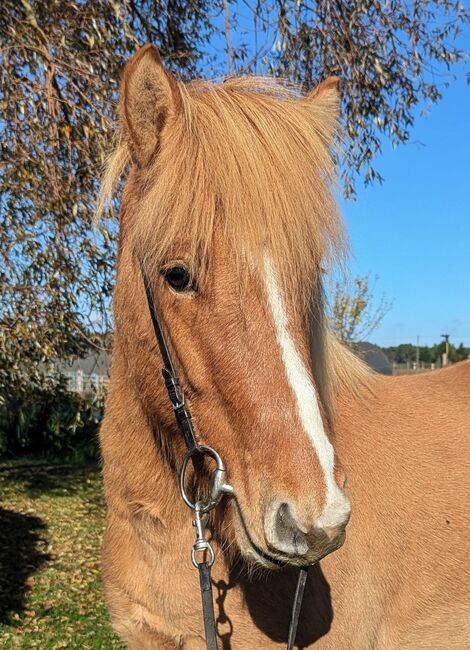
(252, 158)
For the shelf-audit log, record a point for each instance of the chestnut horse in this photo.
(228, 206)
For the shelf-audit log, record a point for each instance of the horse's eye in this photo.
(179, 279)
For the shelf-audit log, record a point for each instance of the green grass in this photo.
(51, 523)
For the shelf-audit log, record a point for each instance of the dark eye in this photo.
(179, 279)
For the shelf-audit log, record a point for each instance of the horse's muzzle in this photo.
(290, 537)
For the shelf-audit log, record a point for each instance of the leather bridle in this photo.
(202, 553)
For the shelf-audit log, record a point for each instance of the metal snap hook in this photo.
(202, 545)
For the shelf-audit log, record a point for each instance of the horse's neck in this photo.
(134, 460)
(360, 417)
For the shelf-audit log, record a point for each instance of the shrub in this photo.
(51, 421)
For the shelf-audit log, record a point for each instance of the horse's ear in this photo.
(148, 95)
(324, 100)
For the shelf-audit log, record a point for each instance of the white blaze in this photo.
(337, 505)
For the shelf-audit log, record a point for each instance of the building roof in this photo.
(99, 363)
(374, 357)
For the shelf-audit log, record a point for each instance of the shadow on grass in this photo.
(39, 478)
(20, 535)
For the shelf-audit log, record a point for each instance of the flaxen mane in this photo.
(251, 158)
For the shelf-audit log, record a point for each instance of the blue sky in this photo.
(413, 231)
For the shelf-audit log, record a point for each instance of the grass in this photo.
(51, 523)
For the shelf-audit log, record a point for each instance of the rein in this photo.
(202, 553)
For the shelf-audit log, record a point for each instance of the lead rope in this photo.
(205, 583)
(296, 607)
(219, 488)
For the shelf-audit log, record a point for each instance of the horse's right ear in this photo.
(148, 95)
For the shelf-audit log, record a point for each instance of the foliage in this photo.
(50, 421)
(60, 63)
(51, 523)
(390, 57)
(354, 315)
(407, 353)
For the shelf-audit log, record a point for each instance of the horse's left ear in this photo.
(324, 100)
(149, 94)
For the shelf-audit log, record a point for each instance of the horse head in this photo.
(228, 208)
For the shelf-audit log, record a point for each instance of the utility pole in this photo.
(417, 352)
(445, 359)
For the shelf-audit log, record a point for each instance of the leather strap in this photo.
(175, 393)
(207, 605)
(296, 607)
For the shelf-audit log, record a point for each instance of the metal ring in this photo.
(211, 559)
(204, 451)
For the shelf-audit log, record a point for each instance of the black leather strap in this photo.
(175, 392)
(296, 607)
(207, 605)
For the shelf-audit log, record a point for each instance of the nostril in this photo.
(284, 533)
(284, 519)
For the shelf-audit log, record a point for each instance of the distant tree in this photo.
(462, 353)
(406, 353)
(399, 353)
(459, 353)
(60, 64)
(425, 354)
(354, 312)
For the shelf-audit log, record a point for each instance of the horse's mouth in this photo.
(270, 558)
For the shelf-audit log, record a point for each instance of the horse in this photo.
(228, 208)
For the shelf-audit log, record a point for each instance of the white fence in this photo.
(79, 382)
